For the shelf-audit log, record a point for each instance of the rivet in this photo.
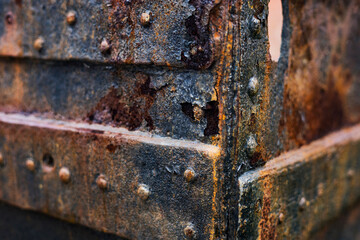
(9, 18)
(30, 164)
(143, 191)
(104, 46)
(251, 145)
(2, 162)
(64, 175)
(302, 204)
(189, 174)
(101, 181)
(350, 173)
(71, 17)
(255, 26)
(190, 232)
(281, 217)
(253, 86)
(127, 2)
(39, 43)
(145, 18)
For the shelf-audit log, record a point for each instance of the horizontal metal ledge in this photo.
(293, 195)
(131, 184)
(108, 131)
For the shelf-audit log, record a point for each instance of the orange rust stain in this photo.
(10, 41)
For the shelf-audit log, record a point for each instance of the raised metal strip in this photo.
(293, 196)
(145, 194)
(160, 32)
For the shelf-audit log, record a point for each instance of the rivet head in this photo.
(253, 86)
(190, 231)
(350, 173)
(2, 162)
(251, 145)
(101, 182)
(189, 174)
(30, 164)
(255, 26)
(39, 43)
(64, 175)
(302, 204)
(71, 17)
(145, 18)
(143, 191)
(104, 46)
(281, 217)
(217, 38)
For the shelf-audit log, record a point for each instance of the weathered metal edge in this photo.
(294, 194)
(128, 161)
(143, 137)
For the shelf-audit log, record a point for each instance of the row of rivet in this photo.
(143, 189)
(104, 47)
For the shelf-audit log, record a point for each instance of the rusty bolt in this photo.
(39, 43)
(189, 174)
(145, 18)
(71, 17)
(64, 175)
(101, 181)
(30, 164)
(253, 86)
(255, 25)
(104, 46)
(350, 173)
(9, 18)
(143, 191)
(190, 232)
(251, 145)
(302, 204)
(281, 217)
(2, 162)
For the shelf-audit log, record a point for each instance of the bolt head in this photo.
(39, 43)
(281, 217)
(251, 145)
(190, 232)
(104, 46)
(253, 86)
(255, 26)
(101, 182)
(145, 18)
(302, 204)
(189, 174)
(64, 175)
(71, 17)
(30, 164)
(143, 191)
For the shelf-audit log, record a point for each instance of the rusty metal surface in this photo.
(292, 196)
(145, 76)
(127, 160)
(175, 28)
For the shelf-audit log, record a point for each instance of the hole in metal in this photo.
(48, 163)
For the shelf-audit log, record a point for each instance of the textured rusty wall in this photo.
(171, 75)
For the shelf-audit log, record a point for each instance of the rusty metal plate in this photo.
(160, 32)
(109, 179)
(293, 195)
